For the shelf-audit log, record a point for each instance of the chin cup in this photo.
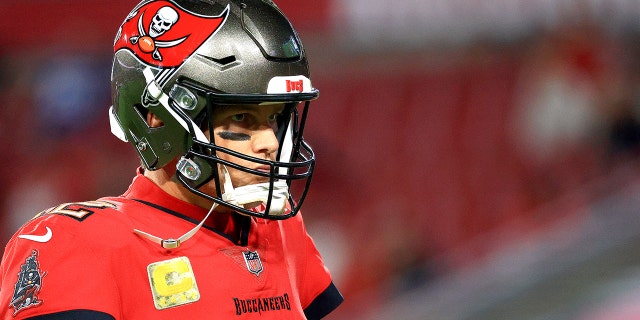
(259, 193)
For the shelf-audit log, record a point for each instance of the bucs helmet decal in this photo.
(164, 24)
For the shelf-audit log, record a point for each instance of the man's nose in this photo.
(265, 141)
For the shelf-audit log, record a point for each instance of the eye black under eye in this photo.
(234, 136)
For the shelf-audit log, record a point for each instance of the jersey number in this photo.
(79, 210)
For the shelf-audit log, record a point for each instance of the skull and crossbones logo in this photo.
(162, 21)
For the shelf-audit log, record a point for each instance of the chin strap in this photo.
(255, 193)
(174, 243)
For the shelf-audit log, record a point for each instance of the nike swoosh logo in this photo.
(43, 238)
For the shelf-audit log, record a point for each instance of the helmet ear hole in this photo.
(142, 112)
(153, 121)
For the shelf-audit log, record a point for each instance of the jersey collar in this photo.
(146, 191)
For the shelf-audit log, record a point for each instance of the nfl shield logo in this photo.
(252, 259)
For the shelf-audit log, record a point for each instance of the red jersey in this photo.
(84, 261)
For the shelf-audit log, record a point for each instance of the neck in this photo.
(223, 219)
(169, 183)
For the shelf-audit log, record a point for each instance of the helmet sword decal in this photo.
(168, 26)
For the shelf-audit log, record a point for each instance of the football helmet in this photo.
(180, 60)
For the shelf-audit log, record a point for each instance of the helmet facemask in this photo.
(206, 162)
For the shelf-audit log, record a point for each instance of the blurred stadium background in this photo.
(477, 159)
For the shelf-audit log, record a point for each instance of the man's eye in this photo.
(238, 117)
(274, 117)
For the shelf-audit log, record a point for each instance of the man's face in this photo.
(248, 129)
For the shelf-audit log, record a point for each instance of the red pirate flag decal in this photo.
(163, 34)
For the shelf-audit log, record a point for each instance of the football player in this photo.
(213, 95)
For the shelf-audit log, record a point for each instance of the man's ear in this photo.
(153, 121)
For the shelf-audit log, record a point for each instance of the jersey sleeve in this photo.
(318, 294)
(52, 268)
